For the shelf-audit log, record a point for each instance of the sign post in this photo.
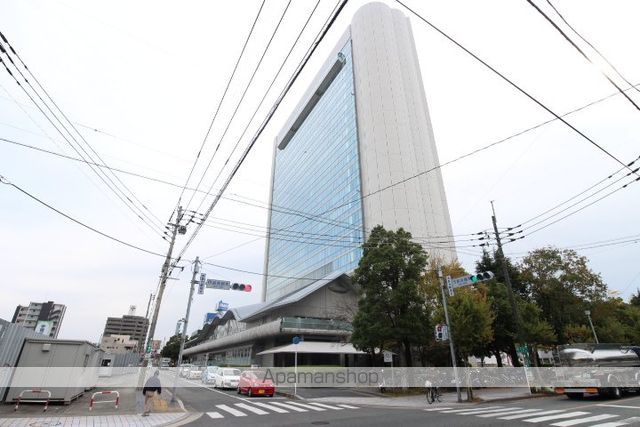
(296, 341)
(451, 345)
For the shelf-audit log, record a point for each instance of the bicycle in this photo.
(433, 393)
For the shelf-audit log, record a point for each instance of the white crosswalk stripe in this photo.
(455, 411)
(556, 417)
(251, 408)
(215, 415)
(347, 406)
(290, 407)
(302, 405)
(584, 420)
(231, 410)
(322, 405)
(624, 422)
(518, 416)
(508, 412)
(271, 407)
(437, 409)
(487, 411)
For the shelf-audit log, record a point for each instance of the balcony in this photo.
(316, 325)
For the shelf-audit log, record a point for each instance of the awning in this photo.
(315, 347)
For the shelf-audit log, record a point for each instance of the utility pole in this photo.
(196, 270)
(163, 278)
(595, 336)
(148, 305)
(507, 279)
(451, 345)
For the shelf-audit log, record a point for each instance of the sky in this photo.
(141, 82)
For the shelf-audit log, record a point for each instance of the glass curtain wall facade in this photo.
(316, 222)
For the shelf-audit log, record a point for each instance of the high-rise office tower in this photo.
(344, 161)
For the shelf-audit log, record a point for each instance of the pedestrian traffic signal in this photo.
(241, 287)
(481, 277)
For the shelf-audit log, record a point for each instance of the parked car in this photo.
(227, 378)
(209, 374)
(251, 383)
(184, 370)
(195, 372)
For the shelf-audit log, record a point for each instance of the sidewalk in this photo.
(448, 398)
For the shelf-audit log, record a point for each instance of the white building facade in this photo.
(358, 151)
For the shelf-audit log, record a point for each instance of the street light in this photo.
(595, 336)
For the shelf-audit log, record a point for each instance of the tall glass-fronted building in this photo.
(362, 127)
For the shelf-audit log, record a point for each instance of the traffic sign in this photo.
(218, 284)
(442, 332)
(296, 340)
(201, 284)
(388, 356)
(450, 286)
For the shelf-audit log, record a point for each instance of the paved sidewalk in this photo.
(419, 401)
(165, 419)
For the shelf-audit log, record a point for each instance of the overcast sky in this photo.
(147, 76)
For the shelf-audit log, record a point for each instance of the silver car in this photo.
(209, 374)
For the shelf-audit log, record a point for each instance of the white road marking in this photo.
(485, 411)
(251, 408)
(271, 407)
(290, 407)
(215, 415)
(302, 405)
(500, 414)
(624, 422)
(515, 417)
(347, 406)
(231, 410)
(620, 406)
(584, 420)
(454, 411)
(437, 409)
(556, 416)
(322, 405)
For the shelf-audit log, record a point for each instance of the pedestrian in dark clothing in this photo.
(151, 387)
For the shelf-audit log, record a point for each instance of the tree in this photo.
(171, 348)
(391, 310)
(562, 285)
(635, 298)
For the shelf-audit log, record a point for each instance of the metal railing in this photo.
(312, 323)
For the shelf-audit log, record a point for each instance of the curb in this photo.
(509, 399)
(186, 419)
(289, 395)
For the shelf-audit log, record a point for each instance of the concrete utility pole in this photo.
(595, 336)
(196, 270)
(163, 278)
(451, 345)
(148, 305)
(507, 279)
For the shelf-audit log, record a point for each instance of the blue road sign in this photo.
(296, 340)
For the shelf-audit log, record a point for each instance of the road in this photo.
(227, 408)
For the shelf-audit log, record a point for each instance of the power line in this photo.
(112, 185)
(584, 55)
(224, 94)
(237, 107)
(592, 46)
(514, 85)
(3, 180)
(267, 119)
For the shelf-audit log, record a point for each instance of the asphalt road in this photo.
(227, 408)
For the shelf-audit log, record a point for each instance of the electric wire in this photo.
(513, 84)
(113, 186)
(239, 103)
(3, 180)
(584, 55)
(604, 58)
(224, 94)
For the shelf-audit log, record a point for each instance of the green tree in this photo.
(635, 298)
(562, 285)
(391, 310)
(171, 348)
(472, 321)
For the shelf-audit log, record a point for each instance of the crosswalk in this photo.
(273, 407)
(552, 417)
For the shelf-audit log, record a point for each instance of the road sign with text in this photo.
(218, 284)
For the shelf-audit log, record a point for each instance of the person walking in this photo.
(151, 387)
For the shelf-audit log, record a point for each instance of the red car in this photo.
(251, 383)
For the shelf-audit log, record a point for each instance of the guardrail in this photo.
(34, 391)
(108, 392)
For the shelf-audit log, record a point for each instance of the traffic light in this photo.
(481, 277)
(241, 287)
